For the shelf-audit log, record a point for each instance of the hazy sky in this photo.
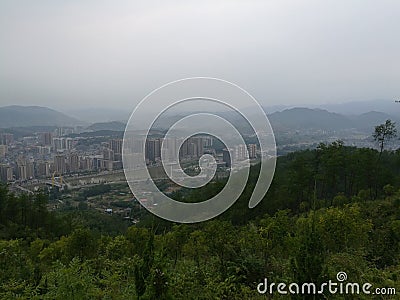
(112, 53)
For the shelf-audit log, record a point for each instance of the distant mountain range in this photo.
(28, 116)
(347, 108)
(100, 115)
(297, 118)
(306, 118)
(300, 118)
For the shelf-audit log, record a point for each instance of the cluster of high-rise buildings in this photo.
(46, 154)
(192, 147)
(169, 148)
(240, 152)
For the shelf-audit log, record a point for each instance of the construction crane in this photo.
(53, 180)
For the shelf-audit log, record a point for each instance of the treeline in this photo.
(27, 217)
(331, 174)
(331, 209)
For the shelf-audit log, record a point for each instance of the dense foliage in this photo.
(331, 209)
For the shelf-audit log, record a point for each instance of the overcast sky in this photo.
(82, 54)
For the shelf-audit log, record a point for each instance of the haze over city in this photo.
(74, 55)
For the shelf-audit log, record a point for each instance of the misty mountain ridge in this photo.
(389, 107)
(27, 116)
(305, 118)
(297, 118)
(100, 114)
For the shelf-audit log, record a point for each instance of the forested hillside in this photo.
(331, 209)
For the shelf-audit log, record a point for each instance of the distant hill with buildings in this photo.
(27, 116)
(113, 126)
(99, 115)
